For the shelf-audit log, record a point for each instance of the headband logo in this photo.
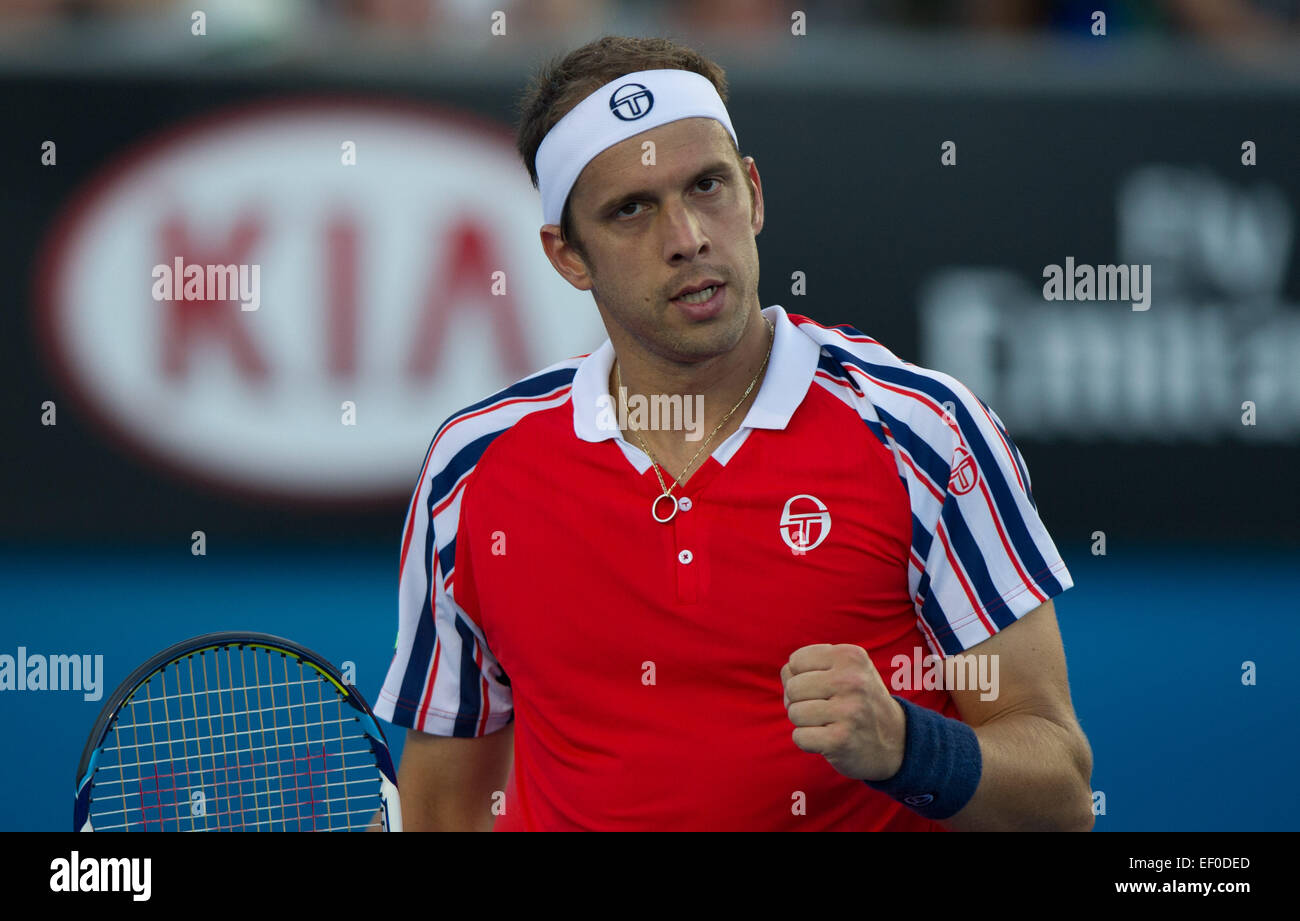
(631, 101)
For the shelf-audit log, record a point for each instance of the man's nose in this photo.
(684, 236)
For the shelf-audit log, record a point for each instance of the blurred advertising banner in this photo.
(1223, 343)
(252, 305)
(286, 298)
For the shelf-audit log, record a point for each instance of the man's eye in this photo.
(623, 212)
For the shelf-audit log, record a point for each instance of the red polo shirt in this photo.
(863, 500)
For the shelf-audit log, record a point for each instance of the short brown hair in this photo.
(564, 82)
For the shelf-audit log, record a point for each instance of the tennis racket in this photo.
(236, 732)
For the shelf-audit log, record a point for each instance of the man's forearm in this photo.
(1036, 777)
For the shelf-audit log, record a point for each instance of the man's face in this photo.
(651, 230)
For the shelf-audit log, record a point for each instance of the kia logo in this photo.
(383, 272)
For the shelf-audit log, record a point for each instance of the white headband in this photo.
(621, 108)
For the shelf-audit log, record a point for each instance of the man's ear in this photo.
(756, 209)
(565, 258)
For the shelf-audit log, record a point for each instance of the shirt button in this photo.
(684, 503)
(685, 557)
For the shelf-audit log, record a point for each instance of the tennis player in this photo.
(615, 620)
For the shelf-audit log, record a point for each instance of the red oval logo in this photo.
(289, 298)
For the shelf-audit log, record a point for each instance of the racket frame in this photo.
(389, 801)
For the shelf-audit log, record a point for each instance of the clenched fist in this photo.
(843, 711)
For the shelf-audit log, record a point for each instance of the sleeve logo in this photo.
(964, 473)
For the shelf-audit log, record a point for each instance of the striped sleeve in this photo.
(986, 556)
(443, 679)
(980, 556)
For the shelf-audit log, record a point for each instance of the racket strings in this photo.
(356, 821)
(219, 737)
(362, 757)
(323, 785)
(201, 747)
(182, 694)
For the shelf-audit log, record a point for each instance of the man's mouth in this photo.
(698, 297)
(705, 304)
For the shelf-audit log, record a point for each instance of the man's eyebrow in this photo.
(717, 166)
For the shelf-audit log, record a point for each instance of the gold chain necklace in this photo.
(668, 490)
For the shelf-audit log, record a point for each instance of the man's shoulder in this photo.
(463, 436)
(872, 376)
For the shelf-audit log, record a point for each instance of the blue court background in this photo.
(1154, 636)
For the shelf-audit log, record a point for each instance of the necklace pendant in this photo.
(654, 508)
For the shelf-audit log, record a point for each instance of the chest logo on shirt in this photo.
(964, 472)
(805, 522)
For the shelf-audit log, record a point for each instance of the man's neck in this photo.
(714, 386)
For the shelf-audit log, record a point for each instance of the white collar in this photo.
(790, 371)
